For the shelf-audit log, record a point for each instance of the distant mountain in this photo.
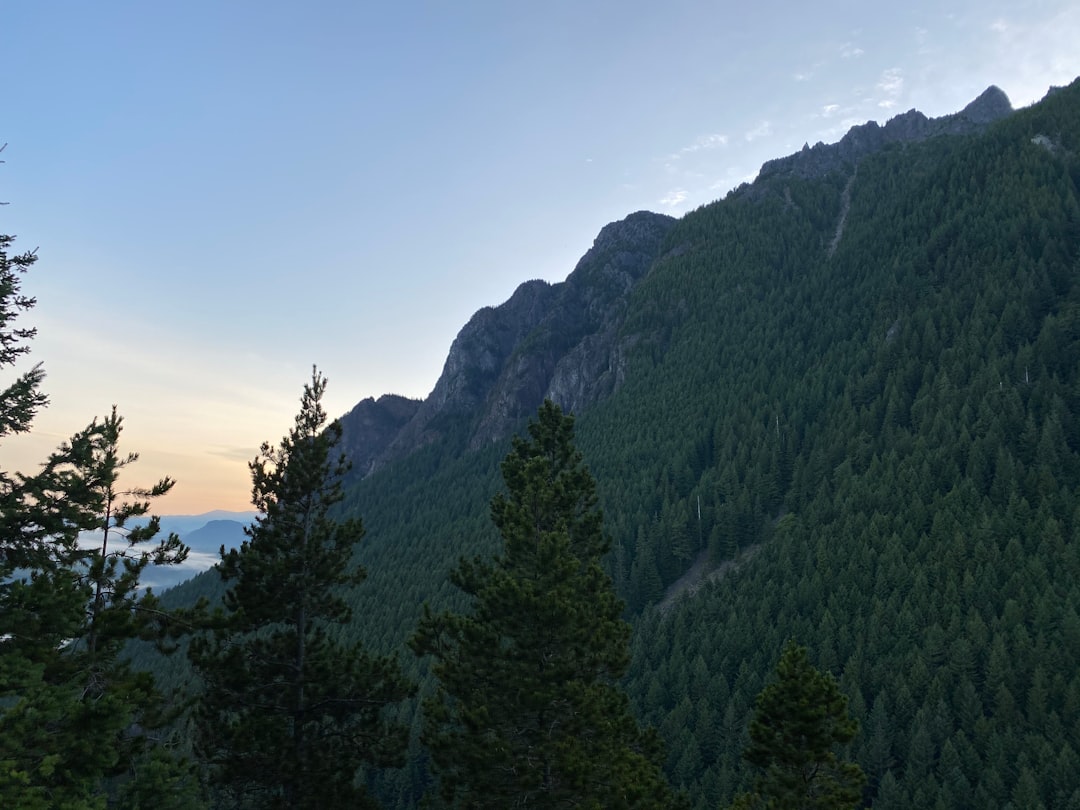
(185, 524)
(216, 533)
(205, 534)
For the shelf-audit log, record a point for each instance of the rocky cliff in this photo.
(369, 428)
(548, 340)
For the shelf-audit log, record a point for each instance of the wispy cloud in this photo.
(849, 51)
(891, 81)
(888, 88)
(1031, 53)
(733, 177)
(702, 142)
(762, 130)
(233, 453)
(707, 142)
(829, 110)
(674, 198)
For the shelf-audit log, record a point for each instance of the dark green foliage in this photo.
(799, 721)
(22, 398)
(886, 443)
(929, 550)
(289, 714)
(75, 718)
(67, 617)
(527, 712)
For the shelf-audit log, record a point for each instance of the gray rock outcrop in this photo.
(820, 159)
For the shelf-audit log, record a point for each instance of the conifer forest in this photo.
(815, 543)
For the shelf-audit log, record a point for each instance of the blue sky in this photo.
(224, 193)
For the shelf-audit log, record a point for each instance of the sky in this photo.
(224, 194)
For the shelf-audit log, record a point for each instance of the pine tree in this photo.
(799, 720)
(289, 714)
(72, 712)
(527, 712)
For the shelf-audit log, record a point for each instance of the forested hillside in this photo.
(872, 377)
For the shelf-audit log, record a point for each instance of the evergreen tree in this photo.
(289, 715)
(527, 712)
(72, 712)
(799, 720)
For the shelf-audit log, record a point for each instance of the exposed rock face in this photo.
(476, 359)
(867, 138)
(987, 108)
(369, 428)
(548, 340)
(571, 355)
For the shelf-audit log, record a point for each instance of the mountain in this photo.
(845, 401)
(370, 427)
(184, 525)
(565, 341)
(549, 340)
(204, 534)
(865, 139)
(216, 533)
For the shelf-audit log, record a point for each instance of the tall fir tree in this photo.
(74, 717)
(799, 721)
(289, 714)
(528, 712)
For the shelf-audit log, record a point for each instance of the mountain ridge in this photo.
(557, 341)
(864, 139)
(562, 340)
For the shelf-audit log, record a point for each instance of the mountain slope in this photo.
(870, 374)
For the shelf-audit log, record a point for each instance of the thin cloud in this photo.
(1034, 53)
(830, 110)
(732, 178)
(702, 142)
(849, 51)
(707, 142)
(234, 453)
(674, 198)
(760, 131)
(889, 88)
(892, 81)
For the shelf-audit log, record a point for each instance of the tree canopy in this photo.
(77, 721)
(799, 721)
(289, 715)
(528, 712)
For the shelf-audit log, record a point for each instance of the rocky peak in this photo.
(369, 428)
(572, 354)
(864, 139)
(991, 105)
(546, 340)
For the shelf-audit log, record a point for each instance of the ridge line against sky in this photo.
(223, 194)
